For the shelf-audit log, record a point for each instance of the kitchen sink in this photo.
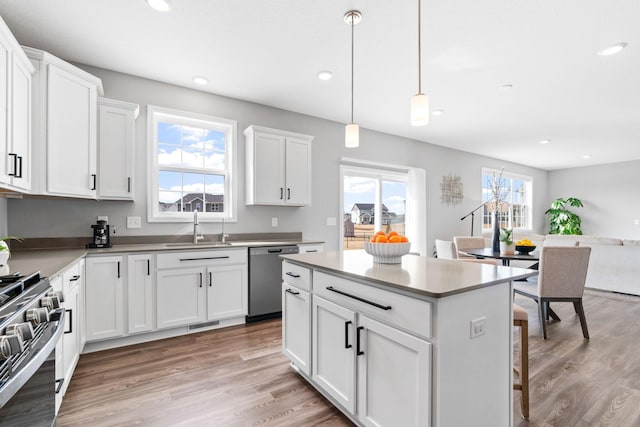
(197, 245)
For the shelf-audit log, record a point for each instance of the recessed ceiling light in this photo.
(200, 80)
(437, 112)
(544, 141)
(325, 75)
(505, 88)
(613, 49)
(587, 156)
(160, 5)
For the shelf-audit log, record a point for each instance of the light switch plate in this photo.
(274, 222)
(478, 327)
(133, 222)
(331, 221)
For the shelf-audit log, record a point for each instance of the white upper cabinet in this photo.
(15, 113)
(116, 149)
(278, 167)
(64, 127)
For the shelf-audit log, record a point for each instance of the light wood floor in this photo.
(238, 377)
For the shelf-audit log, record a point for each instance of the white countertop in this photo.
(421, 275)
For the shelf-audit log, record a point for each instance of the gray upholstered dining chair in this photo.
(463, 243)
(563, 271)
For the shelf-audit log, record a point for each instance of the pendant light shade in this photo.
(420, 101)
(351, 135)
(352, 130)
(420, 110)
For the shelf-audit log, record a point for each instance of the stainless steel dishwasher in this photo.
(265, 281)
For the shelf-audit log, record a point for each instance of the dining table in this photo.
(504, 256)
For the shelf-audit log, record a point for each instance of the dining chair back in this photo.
(446, 249)
(563, 272)
(463, 243)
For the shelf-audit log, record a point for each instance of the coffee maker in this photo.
(100, 235)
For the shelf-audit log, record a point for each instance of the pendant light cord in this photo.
(419, 48)
(352, 61)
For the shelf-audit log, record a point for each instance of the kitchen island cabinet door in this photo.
(334, 351)
(140, 292)
(296, 330)
(227, 292)
(104, 297)
(181, 297)
(394, 377)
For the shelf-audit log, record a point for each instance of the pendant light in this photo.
(420, 101)
(352, 130)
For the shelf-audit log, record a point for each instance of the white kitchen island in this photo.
(424, 343)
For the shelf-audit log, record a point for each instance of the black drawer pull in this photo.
(346, 334)
(198, 259)
(70, 331)
(288, 273)
(59, 383)
(74, 278)
(274, 251)
(358, 351)
(292, 292)
(375, 304)
(311, 250)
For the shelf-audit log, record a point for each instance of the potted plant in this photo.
(561, 219)
(4, 249)
(507, 245)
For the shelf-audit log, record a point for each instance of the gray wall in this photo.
(67, 218)
(3, 217)
(610, 194)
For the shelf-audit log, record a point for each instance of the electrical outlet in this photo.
(133, 222)
(274, 222)
(103, 218)
(636, 222)
(331, 221)
(478, 327)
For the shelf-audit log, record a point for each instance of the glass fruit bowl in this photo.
(387, 253)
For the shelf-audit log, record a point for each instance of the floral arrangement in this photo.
(499, 190)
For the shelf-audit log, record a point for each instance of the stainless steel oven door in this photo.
(27, 398)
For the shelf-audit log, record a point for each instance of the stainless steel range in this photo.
(31, 322)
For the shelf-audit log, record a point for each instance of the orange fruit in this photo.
(372, 239)
(380, 233)
(395, 239)
(404, 239)
(392, 233)
(381, 238)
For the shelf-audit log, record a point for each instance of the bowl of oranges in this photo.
(387, 248)
(524, 246)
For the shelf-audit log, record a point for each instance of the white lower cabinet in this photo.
(334, 351)
(140, 286)
(296, 329)
(394, 376)
(366, 353)
(226, 294)
(104, 297)
(180, 297)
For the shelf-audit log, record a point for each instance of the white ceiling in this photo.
(270, 51)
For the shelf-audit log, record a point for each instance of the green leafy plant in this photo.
(4, 246)
(506, 236)
(561, 219)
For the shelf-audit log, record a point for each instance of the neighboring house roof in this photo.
(368, 207)
(209, 198)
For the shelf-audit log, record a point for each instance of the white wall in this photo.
(610, 194)
(71, 218)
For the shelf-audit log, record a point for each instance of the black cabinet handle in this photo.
(288, 273)
(19, 175)
(210, 279)
(70, 321)
(129, 184)
(118, 269)
(198, 259)
(74, 278)
(93, 176)
(292, 292)
(288, 194)
(312, 250)
(358, 351)
(274, 251)
(375, 304)
(200, 279)
(59, 385)
(15, 165)
(148, 268)
(281, 193)
(346, 334)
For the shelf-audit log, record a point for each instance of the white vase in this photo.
(507, 249)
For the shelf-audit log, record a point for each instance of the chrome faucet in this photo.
(223, 237)
(196, 236)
